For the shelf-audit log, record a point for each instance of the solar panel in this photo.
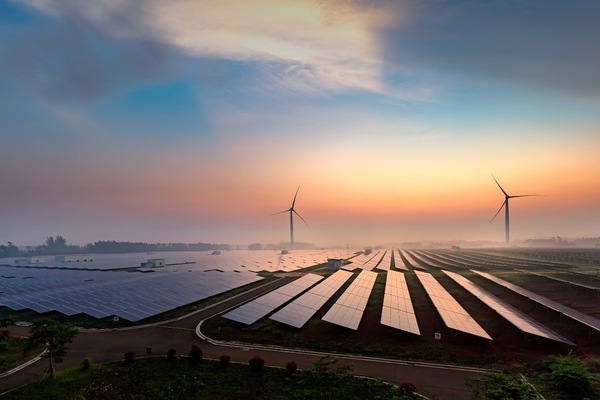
(413, 261)
(399, 262)
(397, 311)
(386, 261)
(349, 308)
(519, 319)
(454, 315)
(254, 310)
(299, 311)
(555, 278)
(578, 316)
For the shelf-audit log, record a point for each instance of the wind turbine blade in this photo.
(506, 194)
(281, 212)
(301, 217)
(294, 202)
(500, 209)
(527, 195)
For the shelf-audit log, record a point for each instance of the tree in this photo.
(56, 244)
(55, 335)
(9, 251)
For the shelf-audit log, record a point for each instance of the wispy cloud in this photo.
(304, 46)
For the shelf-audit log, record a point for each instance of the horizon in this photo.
(196, 122)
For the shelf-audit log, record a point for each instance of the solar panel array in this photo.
(349, 308)
(363, 261)
(251, 260)
(585, 319)
(386, 262)
(453, 314)
(256, 309)
(519, 319)
(397, 311)
(299, 311)
(555, 278)
(413, 260)
(399, 262)
(100, 294)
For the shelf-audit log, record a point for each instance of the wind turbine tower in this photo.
(293, 211)
(506, 213)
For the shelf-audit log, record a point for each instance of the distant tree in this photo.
(7, 321)
(255, 246)
(56, 336)
(56, 244)
(9, 251)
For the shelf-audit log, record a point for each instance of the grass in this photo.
(11, 353)
(159, 378)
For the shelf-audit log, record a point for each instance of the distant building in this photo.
(36, 260)
(333, 264)
(154, 263)
(455, 248)
(74, 258)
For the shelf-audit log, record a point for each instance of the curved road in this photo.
(434, 381)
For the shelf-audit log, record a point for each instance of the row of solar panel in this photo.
(397, 310)
(130, 296)
(227, 260)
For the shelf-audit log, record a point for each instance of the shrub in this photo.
(407, 387)
(129, 357)
(195, 354)
(4, 347)
(171, 353)
(569, 374)
(256, 363)
(4, 334)
(291, 367)
(497, 386)
(224, 360)
(86, 364)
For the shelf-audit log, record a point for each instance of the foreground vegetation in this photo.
(12, 352)
(555, 378)
(192, 378)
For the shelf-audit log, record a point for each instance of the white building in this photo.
(154, 263)
(74, 258)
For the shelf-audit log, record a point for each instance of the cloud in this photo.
(70, 59)
(543, 44)
(298, 45)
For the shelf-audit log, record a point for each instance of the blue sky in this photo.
(196, 120)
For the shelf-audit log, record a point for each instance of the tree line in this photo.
(59, 245)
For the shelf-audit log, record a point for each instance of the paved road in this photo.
(436, 382)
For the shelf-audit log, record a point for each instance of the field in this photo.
(510, 348)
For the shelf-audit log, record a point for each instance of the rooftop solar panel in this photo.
(299, 311)
(349, 308)
(519, 319)
(453, 314)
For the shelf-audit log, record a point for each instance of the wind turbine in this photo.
(292, 211)
(505, 205)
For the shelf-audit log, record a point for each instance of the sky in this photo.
(197, 121)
